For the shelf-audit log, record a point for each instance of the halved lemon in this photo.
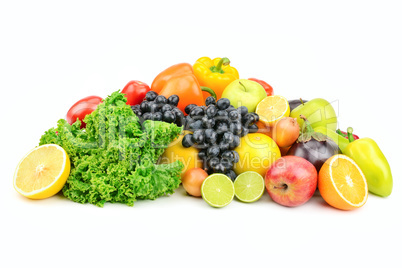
(342, 184)
(42, 172)
(272, 108)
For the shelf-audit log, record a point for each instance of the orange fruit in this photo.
(176, 151)
(342, 184)
(42, 172)
(272, 108)
(257, 152)
(264, 129)
(284, 150)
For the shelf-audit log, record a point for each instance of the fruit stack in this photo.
(240, 139)
(249, 133)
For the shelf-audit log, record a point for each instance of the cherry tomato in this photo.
(192, 181)
(81, 108)
(265, 85)
(135, 92)
(286, 131)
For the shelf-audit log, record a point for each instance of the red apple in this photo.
(291, 181)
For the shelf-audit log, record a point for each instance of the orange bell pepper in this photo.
(179, 79)
(215, 74)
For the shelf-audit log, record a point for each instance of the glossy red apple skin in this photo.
(291, 181)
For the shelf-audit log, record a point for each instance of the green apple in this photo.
(318, 112)
(244, 92)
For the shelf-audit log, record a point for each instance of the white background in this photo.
(52, 54)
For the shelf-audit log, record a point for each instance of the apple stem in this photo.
(218, 68)
(301, 100)
(284, 186)
(245, 89)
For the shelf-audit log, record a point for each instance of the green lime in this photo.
(249, 186)
(217, 190)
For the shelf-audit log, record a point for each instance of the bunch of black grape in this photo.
(159, 108)
(217, 128)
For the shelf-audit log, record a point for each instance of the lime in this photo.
(217, 190)
(249, 186)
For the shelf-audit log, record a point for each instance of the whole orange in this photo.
(176, 151)
(264, 129)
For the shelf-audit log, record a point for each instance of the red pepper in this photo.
(135, 92)
(345, 134)
(265, 85)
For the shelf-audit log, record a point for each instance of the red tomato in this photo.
(265, 85)
(81, 108)
(135, 92)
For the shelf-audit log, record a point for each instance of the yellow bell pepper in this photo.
(215, 74)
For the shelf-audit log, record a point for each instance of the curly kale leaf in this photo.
(114, 158)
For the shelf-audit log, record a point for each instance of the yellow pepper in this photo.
(215, 74)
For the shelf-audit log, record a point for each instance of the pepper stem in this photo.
(218, 68)
(350, 134)
(209, 90)
(342, 134)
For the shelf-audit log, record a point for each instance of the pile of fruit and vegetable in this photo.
(202, 127)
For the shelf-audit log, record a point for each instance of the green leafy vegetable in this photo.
(114, 158)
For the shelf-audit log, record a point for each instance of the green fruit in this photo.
(249, 186)
(244, 92)
(318, 112)
(217, 190)
(338, 139)
(369, 157)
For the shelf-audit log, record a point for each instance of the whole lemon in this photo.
(176, 151)
(257, 153)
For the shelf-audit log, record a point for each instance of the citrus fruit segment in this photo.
(272, 108)
(217, 190)
(249, 186)
(42, 172)
(342, 184)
